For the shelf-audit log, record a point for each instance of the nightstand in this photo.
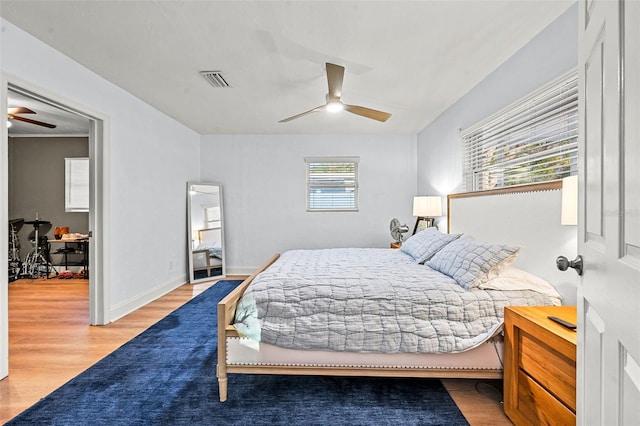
(539, 366)
(395, 245)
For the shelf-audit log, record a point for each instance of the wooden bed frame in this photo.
(227, 308)
(226, 313)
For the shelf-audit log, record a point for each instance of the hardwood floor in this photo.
(50, 343)
(479, 400)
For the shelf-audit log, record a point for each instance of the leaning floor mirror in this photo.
(206, 231)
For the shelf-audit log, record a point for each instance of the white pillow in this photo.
(423, 245)
(512, 278)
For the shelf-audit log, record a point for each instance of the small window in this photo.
(533, 140)
(76, 188)
(332, 184)
(212, 216)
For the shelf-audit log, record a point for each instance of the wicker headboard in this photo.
(527, 216)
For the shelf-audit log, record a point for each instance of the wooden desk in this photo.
(82, 243)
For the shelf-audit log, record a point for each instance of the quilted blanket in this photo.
(369, 300)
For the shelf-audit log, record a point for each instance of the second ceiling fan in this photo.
(335, 77)
(12, 114)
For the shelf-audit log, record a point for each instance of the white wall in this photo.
(150, 158)
(264, 177)
(551, 53)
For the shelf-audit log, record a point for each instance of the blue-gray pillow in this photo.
(423, 245)
(470, 262)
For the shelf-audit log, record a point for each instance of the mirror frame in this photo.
(190, 233)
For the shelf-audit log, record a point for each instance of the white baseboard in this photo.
(140, 300)
(241, 270)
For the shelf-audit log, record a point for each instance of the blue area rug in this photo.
(167, 376)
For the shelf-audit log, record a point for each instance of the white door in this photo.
(609, 224)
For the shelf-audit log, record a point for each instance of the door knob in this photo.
(563, 263)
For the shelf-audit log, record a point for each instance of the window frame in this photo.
(351, 185)
(533, 140)
(76, 184)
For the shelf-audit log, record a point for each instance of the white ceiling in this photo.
(410, 58)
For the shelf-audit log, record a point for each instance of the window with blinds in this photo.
(332, 184)
(76, 184)
(533, 140)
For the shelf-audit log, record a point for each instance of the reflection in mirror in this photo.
(206, 231)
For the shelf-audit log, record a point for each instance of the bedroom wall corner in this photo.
(150, 158)
(263, 177)
(548, 55)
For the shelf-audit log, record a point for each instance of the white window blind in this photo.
(76, 188)
(332, 184)
(212, 216)
(532, 140)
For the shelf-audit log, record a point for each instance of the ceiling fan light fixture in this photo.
(335, 106)
(335, 76)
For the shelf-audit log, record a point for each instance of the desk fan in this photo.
(397, 230)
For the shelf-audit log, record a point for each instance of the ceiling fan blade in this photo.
(335, 76)
(27, 120)
(368, 112)
(20, 110)
(320, 108)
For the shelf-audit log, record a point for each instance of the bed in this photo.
(207, 255)
(456, 334)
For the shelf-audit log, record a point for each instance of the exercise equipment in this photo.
(15, 263)
(39, 257)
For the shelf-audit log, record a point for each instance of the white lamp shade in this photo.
(427, 206)
(569, 213)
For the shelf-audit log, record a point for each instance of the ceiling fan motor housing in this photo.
(335, 77)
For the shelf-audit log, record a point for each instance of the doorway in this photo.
(99, 311)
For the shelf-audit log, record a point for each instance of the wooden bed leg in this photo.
(226, 313)
(222, 388)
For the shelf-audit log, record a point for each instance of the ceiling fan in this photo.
(12, 114)
(335, 76)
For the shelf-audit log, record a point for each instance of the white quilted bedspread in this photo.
(369, 300)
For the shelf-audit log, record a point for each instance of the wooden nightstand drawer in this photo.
(550, 368)
(540, 407)
(539, 366)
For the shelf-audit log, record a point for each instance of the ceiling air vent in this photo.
(215, 78)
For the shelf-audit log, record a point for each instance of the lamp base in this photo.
(422, 223)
